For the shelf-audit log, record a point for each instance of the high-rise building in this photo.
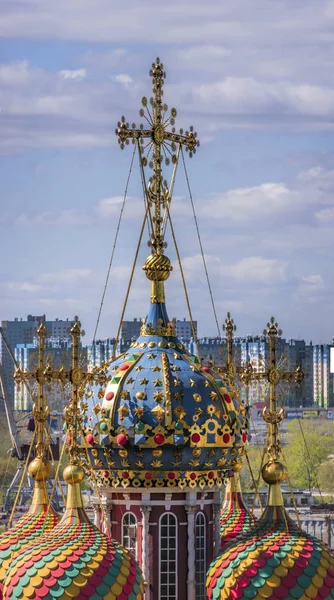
(20, 331)
(130, 330)
(323, 379)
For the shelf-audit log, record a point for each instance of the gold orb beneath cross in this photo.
(39, 469)
(274, 472)
(157, 267)
(73, 474)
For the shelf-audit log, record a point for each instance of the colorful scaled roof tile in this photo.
(235, 517)
(37, 521)
(74, 560)
(273, 560)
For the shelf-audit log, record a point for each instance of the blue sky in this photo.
(254, 77)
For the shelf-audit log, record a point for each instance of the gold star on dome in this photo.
(180, 412)
(176, 463)
(125, 463)
(175, 368)
(193, 463)
(208, 464)
(156, 464)
(178, 396)
(199, 412)
(213, 395)
(221, 462)
(151, 356)
(207, 383)
(125, 394)
(193, 368)
(139, 368)
(157, 382)
(139, 464)
(139, 453)
(177, 356)
(156, 368)
(131, 380)
(123, 410)
(192, 383)
(143, 381)
(176, 382)
(158, 396)
(139, 411)
(158, 412)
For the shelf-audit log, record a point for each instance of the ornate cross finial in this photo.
(230, 328)
(274, 376)
(156, 145)
(42, 375)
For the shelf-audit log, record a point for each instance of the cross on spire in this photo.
(157, 144)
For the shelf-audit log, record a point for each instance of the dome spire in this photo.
(162, 146)
(85, 563)
(40, 518)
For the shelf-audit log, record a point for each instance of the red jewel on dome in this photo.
(69, 439)
(159, 439)
(205, 369)
(121, 439)
(211, 475)
(125, 475)
(171, 475)
(110, 396)
(244, 437)
(226, 438)
(124, 367)
(90, 439)
(105, 474)
(195, 438)
(227, 398)
(192, 476)
(148, 475)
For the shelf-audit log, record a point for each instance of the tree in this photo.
(308, 445)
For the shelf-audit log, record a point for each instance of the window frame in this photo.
(169, 514)
(130, 514)
(200, 594)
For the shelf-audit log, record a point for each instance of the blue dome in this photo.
(165, 419)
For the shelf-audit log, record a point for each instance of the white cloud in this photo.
(23, 286)
(124, 79)
(257, 270)
(74, 74)
(65, 276)
(251, 204)
(64, 218)
(326, 215)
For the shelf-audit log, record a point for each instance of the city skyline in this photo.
(262, 180)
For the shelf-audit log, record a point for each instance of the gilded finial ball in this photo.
(39, 469)
(73, 474)
(157, 267)
(274, 472)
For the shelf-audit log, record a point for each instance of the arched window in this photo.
(129, 532)
(200, 534)
(168, 557)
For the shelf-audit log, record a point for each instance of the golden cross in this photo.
(274, 376)
(43, 374)
(160, 145)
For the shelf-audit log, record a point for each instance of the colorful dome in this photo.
(275, 559)
(37, 521)
(165, 419)
(235, 517)
(74, 560)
